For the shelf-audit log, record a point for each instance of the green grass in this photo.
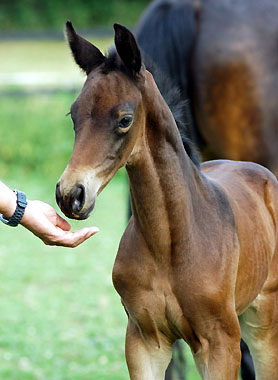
(43, 55)
(36, 136)
(60, 317)
(31, 64)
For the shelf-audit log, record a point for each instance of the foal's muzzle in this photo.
(72, 203)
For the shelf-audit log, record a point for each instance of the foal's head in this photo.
(108, 119)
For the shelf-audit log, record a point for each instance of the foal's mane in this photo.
(179, 107)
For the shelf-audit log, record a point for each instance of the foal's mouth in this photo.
(85, 214)
(75, 205)
(69, 213)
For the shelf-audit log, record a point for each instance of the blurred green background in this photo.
(51, 14)
(61, 318)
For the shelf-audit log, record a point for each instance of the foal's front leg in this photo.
(145, 359)
(219, 355)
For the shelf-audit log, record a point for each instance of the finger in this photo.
(78, 237)
(73, 239)
(62, 223)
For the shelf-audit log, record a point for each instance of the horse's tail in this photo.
(166, 32)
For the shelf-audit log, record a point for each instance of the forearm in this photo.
(7, 201)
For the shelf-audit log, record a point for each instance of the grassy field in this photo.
(61, 318)
(43, 63)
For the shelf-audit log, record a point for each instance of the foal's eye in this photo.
(125, 123)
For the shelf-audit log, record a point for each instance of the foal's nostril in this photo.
(71, 203)
(78, 198)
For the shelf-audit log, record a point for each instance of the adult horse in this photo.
(223, 55)
(200, 250)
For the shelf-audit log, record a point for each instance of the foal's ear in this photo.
(127, 49)
(86, 55)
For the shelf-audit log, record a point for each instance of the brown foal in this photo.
(198, 260)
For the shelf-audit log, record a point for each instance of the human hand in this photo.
(41, 219)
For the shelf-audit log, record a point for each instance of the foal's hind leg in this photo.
(146, 359)
(259, 325)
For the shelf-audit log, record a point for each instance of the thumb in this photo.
(62, 223)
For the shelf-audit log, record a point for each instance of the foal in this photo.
(199, 256)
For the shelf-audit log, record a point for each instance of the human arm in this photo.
(43, 221)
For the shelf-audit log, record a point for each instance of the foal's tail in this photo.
(166, 32)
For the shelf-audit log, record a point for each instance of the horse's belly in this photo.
(257, 250)
(250, 281)
(253, 195)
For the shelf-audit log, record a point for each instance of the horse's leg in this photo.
(247, 366)
(219, 355)
(259, 325)
(145, 359)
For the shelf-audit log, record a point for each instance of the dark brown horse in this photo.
(199, 258)
(223, 55)
(236, 79)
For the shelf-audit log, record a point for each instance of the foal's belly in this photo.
(253, 196)
(254, 264)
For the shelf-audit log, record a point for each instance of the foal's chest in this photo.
(149, 301)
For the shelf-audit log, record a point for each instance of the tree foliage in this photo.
(52, 14)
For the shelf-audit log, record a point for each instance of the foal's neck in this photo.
(163, 178)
